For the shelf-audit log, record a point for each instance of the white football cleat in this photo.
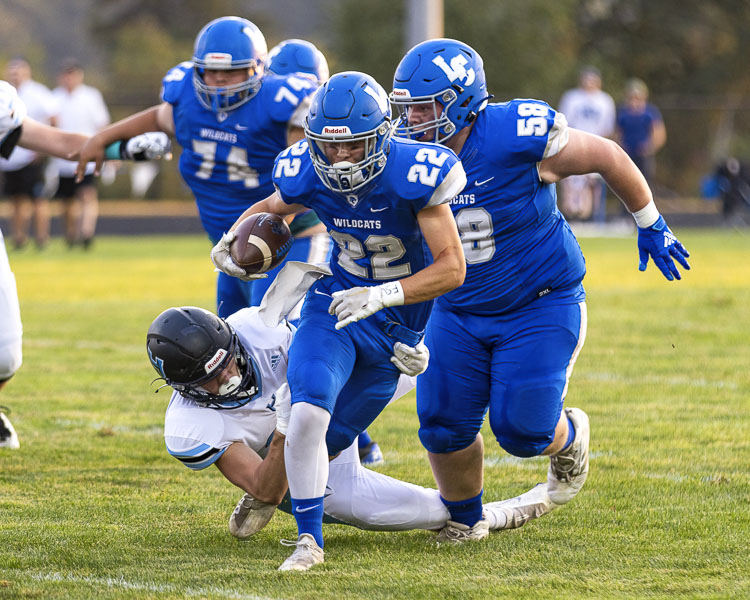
(249, 517)
(516, 512)
(458, 533)
(8, 437)
(568, 469)
(307, 554)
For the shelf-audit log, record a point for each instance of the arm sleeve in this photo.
(450, 187)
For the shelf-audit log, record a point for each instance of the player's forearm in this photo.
(446, 273)
(269, 479)
(49, 140)
(272, 204)
(626, 180)
(136, 124)
(263, 479)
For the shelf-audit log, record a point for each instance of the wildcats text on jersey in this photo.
(357, 223)
(219, 136)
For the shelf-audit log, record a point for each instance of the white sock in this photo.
(305, 451)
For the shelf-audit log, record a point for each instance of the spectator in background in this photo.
(732, 179)
(82, 110)
(590, 109)
(640, 128)
(23, 169)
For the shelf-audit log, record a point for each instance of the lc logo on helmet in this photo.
(216, 360)
(457, 68)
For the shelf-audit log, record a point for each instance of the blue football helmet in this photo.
(224, 44)
(297, 56)
(349, 107)
(442, 71)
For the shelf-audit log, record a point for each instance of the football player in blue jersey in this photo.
(384, 201)
(231, 122)
(507, 339)
(297, 57)
(301, 57)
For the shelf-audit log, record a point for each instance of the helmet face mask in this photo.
(350, 108)
(440, 125)
(190, 346)
(445, 72)
(228, 43)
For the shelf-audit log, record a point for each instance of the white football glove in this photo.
(283, 406)
(360, 302)
(222, 259)
(410, 360)
(148, 146)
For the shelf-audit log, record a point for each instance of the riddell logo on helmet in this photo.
(218, 59)
(216, 360)
(401, 93)
(341, 129)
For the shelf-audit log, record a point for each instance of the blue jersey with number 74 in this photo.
(227, 157)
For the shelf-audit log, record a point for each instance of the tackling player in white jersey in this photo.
(230, 407)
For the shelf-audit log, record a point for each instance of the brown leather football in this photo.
(261, 242)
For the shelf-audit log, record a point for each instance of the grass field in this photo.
(92, 506)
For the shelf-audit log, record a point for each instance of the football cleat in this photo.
(306, 554)
(249, 517)
(569, 468)
(458, 533)
(371, 455)
(8, 437)
(516, 512)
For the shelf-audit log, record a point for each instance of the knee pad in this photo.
(310, 383)
(339, 437)
(11, 358)
(519, 442)
(439, 439)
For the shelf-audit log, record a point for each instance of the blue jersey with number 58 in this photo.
(377, 234)
(227, 157)
(517, 244)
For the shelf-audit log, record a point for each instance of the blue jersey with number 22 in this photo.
(377, 235)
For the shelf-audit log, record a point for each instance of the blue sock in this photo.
(363, 439)
(309, 515)
(467, 511)
(571, 434)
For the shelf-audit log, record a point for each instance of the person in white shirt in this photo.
(23, 169)
(17, 129)
(592, 110)
(81, 109)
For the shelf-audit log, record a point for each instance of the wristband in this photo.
(393, 293)
(647, 216)
(112, 152)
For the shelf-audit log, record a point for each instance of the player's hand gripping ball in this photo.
(261, 241)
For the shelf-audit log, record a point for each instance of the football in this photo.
(261, 242)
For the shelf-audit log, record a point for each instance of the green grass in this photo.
(92, 506)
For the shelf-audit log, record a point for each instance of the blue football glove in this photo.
(660, 243)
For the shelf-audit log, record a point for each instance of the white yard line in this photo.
(121, 582)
